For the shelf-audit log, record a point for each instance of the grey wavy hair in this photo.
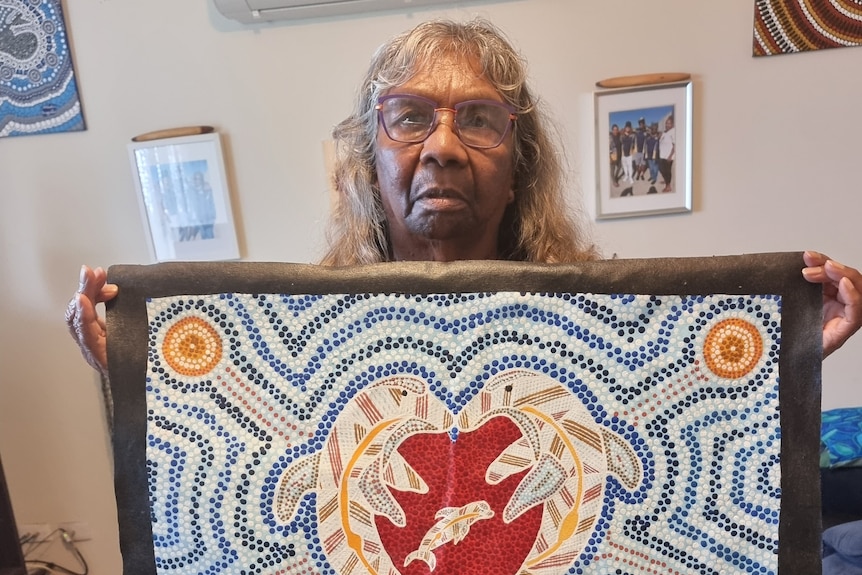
(538, 225)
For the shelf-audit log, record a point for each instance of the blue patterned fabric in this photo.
(38, 92)
(841, 437)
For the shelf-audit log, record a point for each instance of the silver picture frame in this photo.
(183, 195)
(643, 150)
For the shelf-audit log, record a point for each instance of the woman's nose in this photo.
(443, 144)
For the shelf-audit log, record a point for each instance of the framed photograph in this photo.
(183, 195)
(643, 150)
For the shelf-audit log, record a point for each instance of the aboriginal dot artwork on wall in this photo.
(789, 26)
(38, 92)
(482, 432)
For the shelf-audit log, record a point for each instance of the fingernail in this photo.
(82, 277)
(837, 265)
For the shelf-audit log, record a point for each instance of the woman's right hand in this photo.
(85, 325)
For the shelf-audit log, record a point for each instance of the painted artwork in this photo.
(411, 431)
(38, 92)
(789, 26)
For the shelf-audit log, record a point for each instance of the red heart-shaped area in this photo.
(455, 475)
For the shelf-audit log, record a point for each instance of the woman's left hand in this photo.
(842, 298)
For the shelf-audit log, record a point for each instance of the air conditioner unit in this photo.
(256, 11)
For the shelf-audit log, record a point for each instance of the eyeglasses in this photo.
(411, 119)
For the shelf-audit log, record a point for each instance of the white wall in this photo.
(776, 149)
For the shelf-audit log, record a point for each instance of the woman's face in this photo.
(444, 200)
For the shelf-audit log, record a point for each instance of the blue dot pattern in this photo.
(38, 91)
(219, 440)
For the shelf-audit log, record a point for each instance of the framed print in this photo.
(183, 195)
(643, 150)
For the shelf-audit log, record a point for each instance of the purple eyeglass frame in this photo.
(513, 116)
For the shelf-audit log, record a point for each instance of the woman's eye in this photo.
(475, 120)
(412, 117)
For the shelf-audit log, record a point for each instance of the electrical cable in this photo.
(69, 544)
(31, 541)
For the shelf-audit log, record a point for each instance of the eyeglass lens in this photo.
(479, 123)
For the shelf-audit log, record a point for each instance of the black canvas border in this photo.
(776, 273)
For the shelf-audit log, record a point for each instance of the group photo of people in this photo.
(642, 150)
(185, 200)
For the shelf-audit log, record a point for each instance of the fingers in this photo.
(842, 298)
(93, 284)
(814, 272)
(84, 324)
(838, 328)
(813, 259)
(90, 282)
(840, 282)
(88, 331)
(836, 271)
(849, 295)
(822, 269)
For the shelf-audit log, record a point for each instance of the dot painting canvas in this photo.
(619, 417)
(38, 89)
(793, 26)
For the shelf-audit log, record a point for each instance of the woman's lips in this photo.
(441, 200)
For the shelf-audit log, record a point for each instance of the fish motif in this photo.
(374, 413)
(453, 525)
(568, 477)
(566, 454)
(357, 465)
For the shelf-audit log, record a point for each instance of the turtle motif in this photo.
(563, 456)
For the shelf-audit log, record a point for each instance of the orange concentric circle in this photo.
(732, 348)
(192, 347)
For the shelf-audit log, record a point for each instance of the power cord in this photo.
(30, 542)
(69, 543)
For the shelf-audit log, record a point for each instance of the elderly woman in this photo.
(448, 157)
